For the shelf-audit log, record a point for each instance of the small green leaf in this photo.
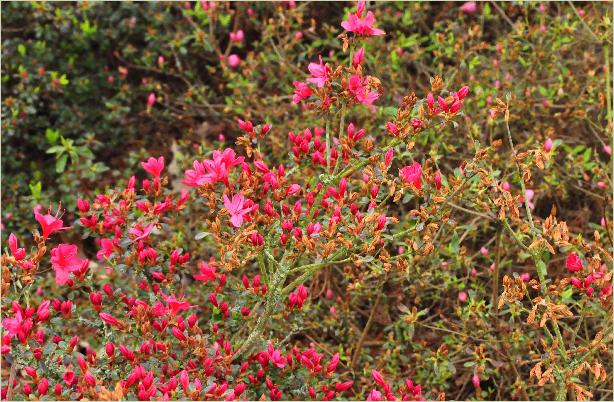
(60, 164)
(21, 49)
(52, 136)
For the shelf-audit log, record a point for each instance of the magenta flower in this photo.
(358, 87)
(573, 263)
(207, 272)
(320, 73)
(151, 99)
(154, 166)
(412, 174)
(469, 7)
(17, 252)
(237, 208)
(362, 26)
(211, 171)
(301, 91)
(234, 61)
(49, 223)
(18, 325)
(64, 260)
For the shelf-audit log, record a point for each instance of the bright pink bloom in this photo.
(17, 252)
(469, 7)
(213, 170)
(64, 260)
(234, 61)
(154, 166)
(548, 145)
(573, 263)
(475, 380)
(358, 87)
(207, 272)
(237, 37)
(19, 325)
(301, 91)
(413, 174)
(151, 99)
(320, 73)
(363, 26)
(49, 223)
(237, 209)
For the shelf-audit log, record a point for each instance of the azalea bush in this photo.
(357, 239)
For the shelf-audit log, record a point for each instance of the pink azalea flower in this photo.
(301, 91)
(151, 99)
(320, 73)
(141, 233)
(17, 252)
(573, 263)
(154, 166)
(207, 272)
(64, 260)
(18, 325)
(413, 174)
(237, 37)
(234, 61)
(361, 26)
(358, 88)
(469, 7)
(213, 170)
(237, 209)
(108, 247)
(49, 223)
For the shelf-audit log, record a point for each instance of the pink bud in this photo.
(475, 380)
(359, 56)
(234, 61)
(469, 7)
(607, 149)
(462, 297)
(151, 99)
(548, 145)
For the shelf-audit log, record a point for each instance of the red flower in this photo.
(361, 26)
(49, 223)
(573, 263)
(413, 174)
(154, 166)
(64, 260)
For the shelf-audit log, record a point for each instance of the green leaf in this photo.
(52, 136)
(225, 19)
(21, 49)
(60, 164)
(35, 189)
(64, 80)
